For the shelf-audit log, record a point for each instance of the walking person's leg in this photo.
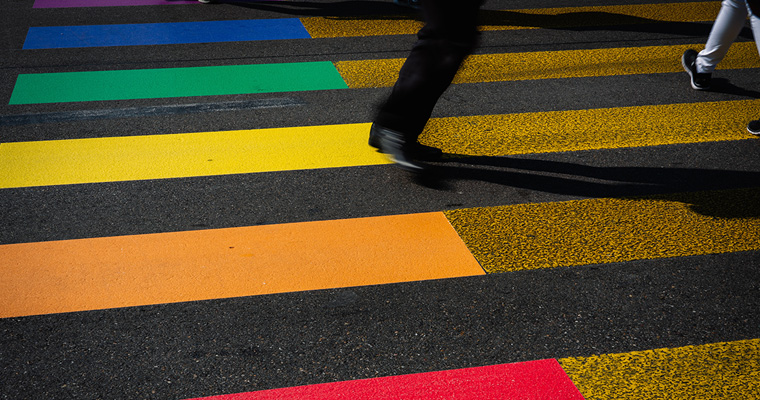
(448, 37)
(725, 29)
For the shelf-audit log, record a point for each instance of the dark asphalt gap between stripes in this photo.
(140, 112)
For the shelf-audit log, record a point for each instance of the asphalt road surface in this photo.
(189, 207)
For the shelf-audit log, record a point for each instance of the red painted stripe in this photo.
(543, 379)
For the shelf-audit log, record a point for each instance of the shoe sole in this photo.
(431, 155)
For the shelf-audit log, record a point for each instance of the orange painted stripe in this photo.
(100, 273)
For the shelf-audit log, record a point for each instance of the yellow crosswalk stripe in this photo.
(608, 230)
(728, 370)
(75, 161)
(545, 132)
(551, 64)
(564, 17)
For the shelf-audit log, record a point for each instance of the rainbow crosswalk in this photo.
(96, 278)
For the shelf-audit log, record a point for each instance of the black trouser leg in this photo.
(448, 37)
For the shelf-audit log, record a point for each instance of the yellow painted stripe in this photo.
(60, 162)
(729, 370)
(325, 27)
(99, 273)
(183, 155)
(608, 230)
(498, 135)
(551, 64)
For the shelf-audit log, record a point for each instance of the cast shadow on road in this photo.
(692, 186)
(580, 21)
(722, 85)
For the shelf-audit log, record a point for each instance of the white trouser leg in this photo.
(728, 24)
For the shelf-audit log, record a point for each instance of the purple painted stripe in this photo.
(106, 3)
(113, 3)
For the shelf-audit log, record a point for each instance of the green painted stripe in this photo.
(729, 370)
(174, 82)
(608, 230)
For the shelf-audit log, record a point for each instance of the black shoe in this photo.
(754, 127)
(418, 151)
(699, 81)
(396, 147)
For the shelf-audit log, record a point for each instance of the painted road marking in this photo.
(728, 370)
(270, 78)
(51, 277)
(101, 273)
(174, 82)
(58, 37)
(61, 162)
(106, 3)
(76, 161)
(564, 64)
(609, 230)
(552, 18)
(543, 379)
(603, 128)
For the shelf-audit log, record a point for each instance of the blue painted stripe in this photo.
(57, 37)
